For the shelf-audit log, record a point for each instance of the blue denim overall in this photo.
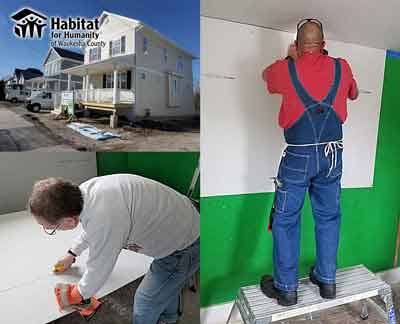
(311, 162)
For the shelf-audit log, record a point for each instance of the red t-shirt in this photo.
(316, 72)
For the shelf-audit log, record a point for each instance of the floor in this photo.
(117, 308)
(21, 130)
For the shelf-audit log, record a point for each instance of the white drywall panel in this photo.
(366, 22)
(27, 283)
(241, 142)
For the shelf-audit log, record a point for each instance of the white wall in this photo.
(241, 142)
(113, 30)
(18, 172)
(152, 92)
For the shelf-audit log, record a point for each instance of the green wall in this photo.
(174, 169)
(236, 247)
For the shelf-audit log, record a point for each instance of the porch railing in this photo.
(105, 95)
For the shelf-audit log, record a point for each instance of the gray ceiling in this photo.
(370, 23)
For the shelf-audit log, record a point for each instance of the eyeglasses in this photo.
(307, 20)
(51, 232)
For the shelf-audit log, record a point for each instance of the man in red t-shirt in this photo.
(314, 88)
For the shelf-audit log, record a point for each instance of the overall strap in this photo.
(305, 97)
(330, 98)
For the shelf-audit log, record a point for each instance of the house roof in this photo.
(31, 73)
(28, 73)
(137, 23)
(17, 72)
(68, 54)
(26, 12)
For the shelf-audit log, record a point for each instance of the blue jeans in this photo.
(306, 169)
(157, 297)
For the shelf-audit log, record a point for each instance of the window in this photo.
(117, 46)
(180, 64)
(122, 80)
(175, 92)
(109, 80)
(174, 85)
(123, 44)
(94, 54)
(145, 45)
(165, 55)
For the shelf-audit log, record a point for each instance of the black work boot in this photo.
(284, 298)
(327, 291)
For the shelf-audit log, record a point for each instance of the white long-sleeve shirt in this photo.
(124, 210)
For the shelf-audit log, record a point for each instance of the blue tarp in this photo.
(92, 132)
(393, 54)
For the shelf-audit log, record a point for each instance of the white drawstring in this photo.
(331, 148)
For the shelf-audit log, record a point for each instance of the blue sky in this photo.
(178, 20)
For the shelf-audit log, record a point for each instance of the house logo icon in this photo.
(29, 23)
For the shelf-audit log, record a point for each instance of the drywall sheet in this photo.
(18, 172)
(27, 283)
(241, 142)
(364, 22)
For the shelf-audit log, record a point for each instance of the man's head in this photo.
(310, 37)
(56, 204)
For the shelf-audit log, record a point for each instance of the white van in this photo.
(17, 95)
(40, 100)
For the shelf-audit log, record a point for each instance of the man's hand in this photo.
(292, 51)
(64, 263)
(69, 298)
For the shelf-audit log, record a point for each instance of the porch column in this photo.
(115, 88)
(86, 86)
(69, 82)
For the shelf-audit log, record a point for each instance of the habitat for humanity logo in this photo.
(63, 32)
(29, 23)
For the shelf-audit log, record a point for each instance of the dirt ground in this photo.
(21, 130)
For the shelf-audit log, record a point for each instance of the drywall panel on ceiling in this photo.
(26, 272)
(18, 172)
(241, 142)
(365, 22)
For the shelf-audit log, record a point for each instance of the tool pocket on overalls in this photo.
(338, 168)
(280, 200)
(293, 167)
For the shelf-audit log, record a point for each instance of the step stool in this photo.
(352, 284)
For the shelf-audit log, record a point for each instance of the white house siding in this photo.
(112, 30)
(52, 66)
(152, 93)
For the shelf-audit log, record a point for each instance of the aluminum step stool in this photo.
(352, 284)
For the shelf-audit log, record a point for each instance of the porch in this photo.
(107, 85)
